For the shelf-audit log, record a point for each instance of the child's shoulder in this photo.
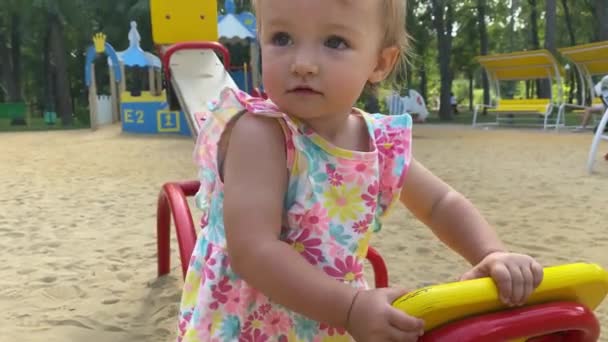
(382, 123)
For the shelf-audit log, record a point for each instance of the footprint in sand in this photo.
(423, 250)
(124, 276)
(26, 271)
(86, 323)
(48, 279)
(14, 235)
(69, 322)
(63, 292)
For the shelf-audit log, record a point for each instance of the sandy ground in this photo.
(77, 222)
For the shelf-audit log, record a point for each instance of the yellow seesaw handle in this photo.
(583, 283)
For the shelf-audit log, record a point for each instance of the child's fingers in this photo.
(502, 277)
(397, 335)
(537, 272)
(404, 322)
(528, 283)
(517, 284)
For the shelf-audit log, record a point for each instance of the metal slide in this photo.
(197, 76)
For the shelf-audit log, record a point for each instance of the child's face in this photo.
(318, 54)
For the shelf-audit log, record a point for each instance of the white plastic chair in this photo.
(599, 133)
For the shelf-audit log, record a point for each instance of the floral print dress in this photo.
(335, 201)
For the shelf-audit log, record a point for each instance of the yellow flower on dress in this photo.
(342, 202)
(216, 323)
(364, 244)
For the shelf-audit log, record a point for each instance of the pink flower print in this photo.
(249, 295)
(252, 330)
(371, 196)
(335, 250)
(209, 263)
(208, 270)
(360, 227)
(204, 220)
(218, 292)
(183, 322)
(390, 143)
(309, 247)
(331, 331)
(347, 270)
(355, 171)
(388, 181)
(315, 220)
(234, 301)
(277, 323)
(335, 178)
(204, 327)
(265, 308)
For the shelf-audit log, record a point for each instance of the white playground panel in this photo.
(198, 76)
(412, 104)
(601, 88)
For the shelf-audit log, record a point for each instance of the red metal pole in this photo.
(379, 266)
(163, 234)
(172, 200)
(166, 57)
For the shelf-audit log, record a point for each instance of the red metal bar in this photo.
(379, 267)
(557, 321)
(172, 200)
(166, 56)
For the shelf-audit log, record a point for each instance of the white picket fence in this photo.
(104, 110)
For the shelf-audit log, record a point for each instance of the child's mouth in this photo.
(303, 90)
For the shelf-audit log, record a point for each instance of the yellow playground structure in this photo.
(519, 66)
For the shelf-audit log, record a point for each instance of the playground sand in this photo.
(77, 225)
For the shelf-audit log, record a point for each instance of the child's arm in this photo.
(459, 225)
(449, 214)
(255, 177)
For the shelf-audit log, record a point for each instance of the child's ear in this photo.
(386, 61)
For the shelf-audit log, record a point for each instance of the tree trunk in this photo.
(602, 8)
(443, 16)
(575, 84)
(15, 95)
(63, 98)
(11, 79)
(423, 84)
(483, 39)
(534, 42)
(512, 12)
(47, 71)
(550, 41)
(5, 66)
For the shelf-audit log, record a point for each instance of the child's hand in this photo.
(515, 275)
(373, 318)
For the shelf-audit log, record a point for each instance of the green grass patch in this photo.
(38, 124)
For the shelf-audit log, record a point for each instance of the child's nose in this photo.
(304, 66)
(304, 69)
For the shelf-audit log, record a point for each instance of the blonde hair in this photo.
(394, 33)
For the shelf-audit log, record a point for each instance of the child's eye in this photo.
(335, 42)
(281, 39)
